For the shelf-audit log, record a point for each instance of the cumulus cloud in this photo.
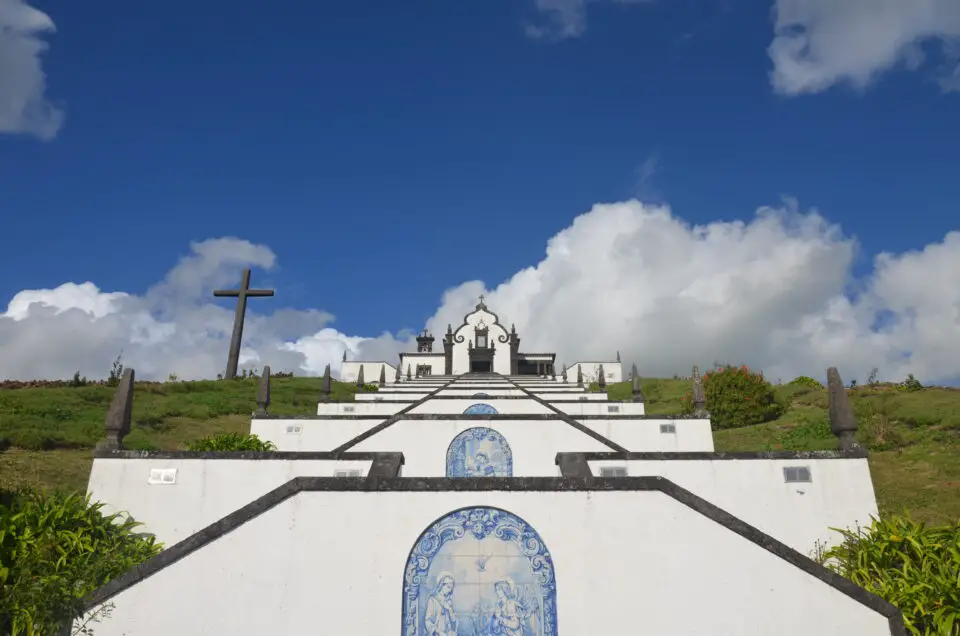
(24, 107)
(820, 43)
(774, 293)
(173, 328)
(562, 19)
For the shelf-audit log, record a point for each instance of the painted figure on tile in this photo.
(507, 614)
(480, 466)
(501, 571)
(441, 619)
(479, 452)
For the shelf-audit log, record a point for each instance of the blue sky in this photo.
(386, 152)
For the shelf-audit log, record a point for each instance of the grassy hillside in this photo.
(914, 437)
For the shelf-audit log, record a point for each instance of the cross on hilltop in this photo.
(233, 358)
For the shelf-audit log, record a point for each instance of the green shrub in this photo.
(911, 383)
(737, 396)
(231, 442)
(368, 388)
(912, 566)
(806, 380)
(54, 550)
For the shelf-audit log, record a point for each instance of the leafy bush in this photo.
(913, 566)
(368, 388)
(231, 442)
(737, 396)
(806, 380)
(911, 383)
(56, 549)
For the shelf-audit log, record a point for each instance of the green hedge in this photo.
(231, 442)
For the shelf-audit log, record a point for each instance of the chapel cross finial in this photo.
(481, 298)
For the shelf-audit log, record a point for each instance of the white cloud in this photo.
(173, 328)
(624, 277)
(24, 107)
(564, 19)
(820, 43)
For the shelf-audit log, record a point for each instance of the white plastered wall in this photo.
(612, 369)
(533, 443)
(203, 490)
(839, 495)
(625, 562)
(435, 361)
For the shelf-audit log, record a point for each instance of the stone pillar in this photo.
(448, 352)
(119, 413)
(843, 423)
(635, 384)
(326, 385)
(699, 397)
(263, 392)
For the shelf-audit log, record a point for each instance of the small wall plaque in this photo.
(162, 476)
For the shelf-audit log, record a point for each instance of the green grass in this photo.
(914, 437)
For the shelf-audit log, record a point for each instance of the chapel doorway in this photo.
(481, 366)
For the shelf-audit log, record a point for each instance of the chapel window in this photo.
(795, 474)
(481, 333)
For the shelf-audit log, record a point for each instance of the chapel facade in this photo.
(479, 344)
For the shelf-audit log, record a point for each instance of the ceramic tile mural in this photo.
(480, 409)
(479, 572)
(479, 452)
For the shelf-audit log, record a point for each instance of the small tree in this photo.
(912, 384)
(116, 372)
(737, 396)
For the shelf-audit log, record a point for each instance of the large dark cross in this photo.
(233, 360)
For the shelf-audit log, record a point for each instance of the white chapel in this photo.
(483, 491)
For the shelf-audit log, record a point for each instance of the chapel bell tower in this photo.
(425, 342)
